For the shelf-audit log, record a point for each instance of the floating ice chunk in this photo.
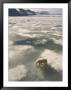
(15, 52)
(10, 42)
(40, 42)
(54, 59)
(17, 73)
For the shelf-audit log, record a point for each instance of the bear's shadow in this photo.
(51, 74)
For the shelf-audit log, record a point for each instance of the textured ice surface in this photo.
(31, 38)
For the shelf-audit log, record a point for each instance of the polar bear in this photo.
(41, 61)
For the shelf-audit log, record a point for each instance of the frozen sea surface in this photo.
(31, 38)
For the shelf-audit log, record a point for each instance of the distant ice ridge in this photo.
(28, 12)
(20, 12)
